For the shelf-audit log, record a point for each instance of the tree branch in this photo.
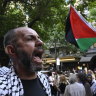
(30, 24)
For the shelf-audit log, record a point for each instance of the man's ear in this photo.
(9, 49)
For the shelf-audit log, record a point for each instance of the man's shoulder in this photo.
(79, 84)
(3, 85)
(93, 84)
(42, 75)
(94, 81)
(3, 80)
(44, 80)
(4, 70)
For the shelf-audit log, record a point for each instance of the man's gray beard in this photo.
(34, 67)
(30, 66)
(27, 63)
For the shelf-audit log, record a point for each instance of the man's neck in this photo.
(24, 74)
(27, 76)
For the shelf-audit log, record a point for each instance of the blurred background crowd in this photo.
(76, 83)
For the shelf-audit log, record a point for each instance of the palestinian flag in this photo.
(78, 31)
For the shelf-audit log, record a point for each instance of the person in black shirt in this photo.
(24, 47)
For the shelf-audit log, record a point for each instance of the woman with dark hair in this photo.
(82, 78)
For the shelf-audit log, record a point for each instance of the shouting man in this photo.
(24, 47)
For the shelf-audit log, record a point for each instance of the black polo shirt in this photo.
(33, 88)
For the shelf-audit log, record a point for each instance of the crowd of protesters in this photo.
(79, 83)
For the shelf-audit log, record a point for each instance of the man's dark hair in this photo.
(10, 38)
(82, 77)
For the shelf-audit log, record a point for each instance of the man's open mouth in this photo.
(37, 55)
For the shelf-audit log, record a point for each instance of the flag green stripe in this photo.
(85, 43)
